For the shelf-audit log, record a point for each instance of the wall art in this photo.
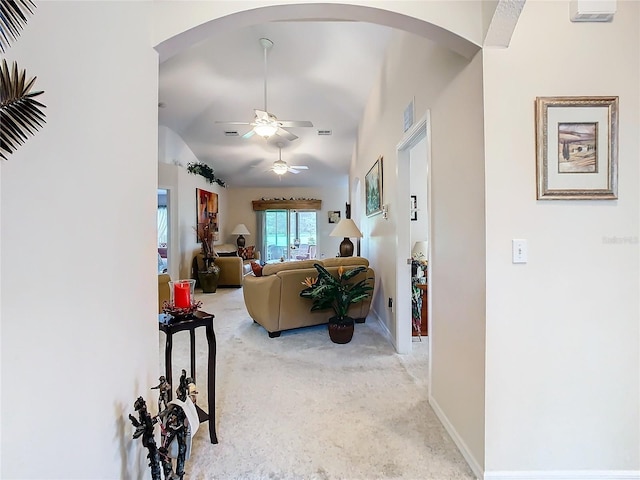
(373, 188)
(577, 148)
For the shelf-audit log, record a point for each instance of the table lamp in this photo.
(240, 230)
(346, 228)
(419, 251)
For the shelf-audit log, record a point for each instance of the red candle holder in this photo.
(182, 293)
(182, 305)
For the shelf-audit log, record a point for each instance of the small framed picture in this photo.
(414, 208)
(577, 148)
(334, 216)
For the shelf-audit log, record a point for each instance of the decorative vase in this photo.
(208, 281)
(340, 331)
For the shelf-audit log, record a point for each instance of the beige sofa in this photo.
(273, 300)
(232, 268)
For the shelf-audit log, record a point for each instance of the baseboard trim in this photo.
(453, 433)
(385, 330)
(565, 475)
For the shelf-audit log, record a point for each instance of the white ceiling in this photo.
(317, 71)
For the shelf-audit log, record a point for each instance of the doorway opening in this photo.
(163, 230)
(413, 226)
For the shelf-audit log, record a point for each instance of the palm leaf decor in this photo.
(20, 114)
(13, 17)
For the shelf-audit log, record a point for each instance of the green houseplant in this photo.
(209, 275)
(337, 293)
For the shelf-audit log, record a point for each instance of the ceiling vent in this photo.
(230, 133)
(592, 10)
(324, 132)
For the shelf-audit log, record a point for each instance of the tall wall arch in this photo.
(177, 28)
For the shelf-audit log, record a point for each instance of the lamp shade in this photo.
(419, 251)
(240, 229)
(346, 228)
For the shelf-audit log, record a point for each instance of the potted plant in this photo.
(209, 275)
(327, 291)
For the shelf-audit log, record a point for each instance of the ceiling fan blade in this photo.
(262, 115)
(300, 167)
(288, 135)
(295, 123)
(291, 170)
(233, 123)
(249, 134)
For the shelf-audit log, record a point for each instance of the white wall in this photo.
(450, 87)
(182, 186)
(418, 167)
(79, 300)
(241, 211)
(562, 330)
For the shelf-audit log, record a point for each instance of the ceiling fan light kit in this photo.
(265, 130)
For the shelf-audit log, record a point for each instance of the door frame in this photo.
(419, 131)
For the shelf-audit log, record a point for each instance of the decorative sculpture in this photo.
(178, 423)
(144, 427)
(164, 388)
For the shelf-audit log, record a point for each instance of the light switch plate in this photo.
(519, 250)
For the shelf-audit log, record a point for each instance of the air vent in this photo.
(230, 133)
(324, 132)
(592, 10)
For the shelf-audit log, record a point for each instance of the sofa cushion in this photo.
(225, 250)
(273, 268)
(344, 261)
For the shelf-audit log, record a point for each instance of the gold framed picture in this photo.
(577, 148)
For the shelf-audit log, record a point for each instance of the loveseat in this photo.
(232, 267)
(273, 299)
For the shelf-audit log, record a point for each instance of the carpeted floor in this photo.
(300, 407)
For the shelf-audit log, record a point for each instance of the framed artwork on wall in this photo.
(577, 148)
(414, 208)
(207, 209)
(373, 188)
(334, 216)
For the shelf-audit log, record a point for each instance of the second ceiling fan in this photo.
(280, 167)
(265, 123)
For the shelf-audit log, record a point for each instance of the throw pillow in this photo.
(257, 269)
(246, 252)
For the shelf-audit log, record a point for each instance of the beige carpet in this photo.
(300, 407)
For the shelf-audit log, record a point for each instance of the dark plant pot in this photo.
(208, 281)
(340, 332)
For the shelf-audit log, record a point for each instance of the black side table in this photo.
(199, 319)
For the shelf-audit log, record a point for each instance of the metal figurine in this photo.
(174, 426)
(144, 428)
(164, 388)
(192, 389)
(181, 391)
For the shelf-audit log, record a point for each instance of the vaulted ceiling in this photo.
(316, 71)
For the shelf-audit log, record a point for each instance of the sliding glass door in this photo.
(289, 235)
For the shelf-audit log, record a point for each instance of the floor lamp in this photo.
(346, 228)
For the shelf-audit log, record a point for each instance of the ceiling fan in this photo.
(280, 167)
(266, 124)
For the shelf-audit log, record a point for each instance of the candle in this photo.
(182, 295)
